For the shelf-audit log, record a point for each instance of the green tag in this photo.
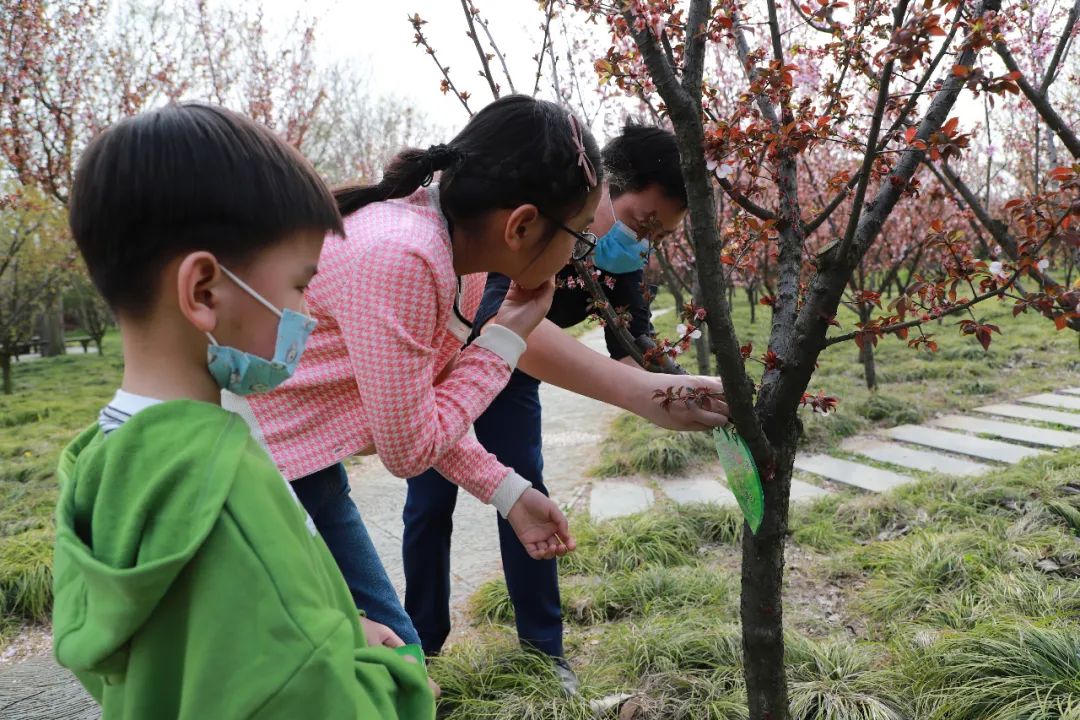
(742, 475)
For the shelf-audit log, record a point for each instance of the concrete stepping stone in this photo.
(1032, 413)
(806, 492)
(1070, 391)
(896, 454)
(963, 444)
(613, 498)
(686, 491)
(1012, 431)
(704, 490)
(1065, 402)
(850, 473)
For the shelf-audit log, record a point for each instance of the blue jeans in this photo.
(325, 496)
(510, 428)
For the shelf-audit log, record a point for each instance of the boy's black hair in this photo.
(516, 150)
(642, 156)
(183, 178)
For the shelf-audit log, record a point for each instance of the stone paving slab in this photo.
(1023, 412)
(850, 473)
(1064, 402)
(1012, 431)
(617, 498)
(963, 444)
(805, 492)
(687, 491)
(902, 455)
(1070, 391)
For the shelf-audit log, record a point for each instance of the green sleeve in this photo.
(377, 683)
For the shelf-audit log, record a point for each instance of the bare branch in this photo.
(544, 45)
(420, 39)
(827, 29)
(498, 53)
(468, 8)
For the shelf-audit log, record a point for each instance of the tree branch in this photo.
(468, 9)
(544, 46)
(419, 39)
(1059, 51)
(498, 53)
(889, 329)
(1041, 103)
(1000, 232)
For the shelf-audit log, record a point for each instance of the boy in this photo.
(187, 582)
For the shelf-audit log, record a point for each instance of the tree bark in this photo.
(5, 366)
(761, 603)
(51, 329)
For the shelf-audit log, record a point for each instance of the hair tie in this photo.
(440, 157)
(583, 160)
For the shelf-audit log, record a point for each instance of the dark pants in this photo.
(510, 429)
(325, 496)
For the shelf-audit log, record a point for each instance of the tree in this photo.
(894, 57)
(33, 262)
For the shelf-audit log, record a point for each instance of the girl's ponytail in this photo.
(515, 150)
(409, 170)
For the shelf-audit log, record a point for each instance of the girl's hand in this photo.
(540, 526)
(679, 416)
(523, 310)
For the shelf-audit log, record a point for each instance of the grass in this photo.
(946, 608)
(54, 399)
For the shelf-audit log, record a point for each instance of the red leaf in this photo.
(961, 70)
(910, 134)
(1060, 321)
(949, 128)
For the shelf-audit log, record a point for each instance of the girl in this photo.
(385, 370)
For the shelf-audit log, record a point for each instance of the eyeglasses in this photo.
(586, 241)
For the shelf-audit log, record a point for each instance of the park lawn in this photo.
(1029, 357)
(54, 399)
(943, 600)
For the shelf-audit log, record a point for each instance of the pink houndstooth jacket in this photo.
(384, 298)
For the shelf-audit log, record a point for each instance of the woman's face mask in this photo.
(620, 251)
(244, 373)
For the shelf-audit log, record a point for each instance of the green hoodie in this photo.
(187, 584)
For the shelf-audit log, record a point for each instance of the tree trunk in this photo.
(761, 606)
(97, 342)
(50, 327)
(5, 365)
(866, 355)
(753, 304)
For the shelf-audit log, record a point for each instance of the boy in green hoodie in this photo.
(189, 582)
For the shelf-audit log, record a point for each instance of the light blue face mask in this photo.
(619, 250)
(243, 373)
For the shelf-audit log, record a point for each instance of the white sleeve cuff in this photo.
(512, 487)
(502, 341)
